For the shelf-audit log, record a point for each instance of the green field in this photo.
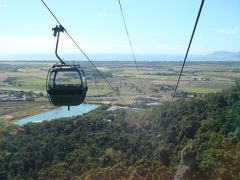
(32, 77)
(158, 79)
(201, 90)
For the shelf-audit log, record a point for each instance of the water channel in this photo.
(57, 113)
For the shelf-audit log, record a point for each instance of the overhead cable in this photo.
(130, 42)
(189, 45)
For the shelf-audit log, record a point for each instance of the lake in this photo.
(57, 113)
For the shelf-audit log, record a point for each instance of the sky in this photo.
(155, 26)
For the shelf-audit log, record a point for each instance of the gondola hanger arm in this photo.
(56, 32)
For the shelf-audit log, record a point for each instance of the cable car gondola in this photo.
(66, 84)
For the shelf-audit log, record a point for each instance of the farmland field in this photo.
(158, 79)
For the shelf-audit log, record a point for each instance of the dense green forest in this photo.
(189, 139)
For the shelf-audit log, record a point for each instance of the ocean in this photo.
(115, 57)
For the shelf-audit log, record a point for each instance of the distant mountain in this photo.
(224, 54)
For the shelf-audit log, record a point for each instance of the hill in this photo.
(189, 139)
(224, 54)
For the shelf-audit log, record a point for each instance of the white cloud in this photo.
(3, 5)
(219, 39)
(179, 32)
(102, 14)
(10, 45)
(234, 30)
(31, 45)
(152, 34)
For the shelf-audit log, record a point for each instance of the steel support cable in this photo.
(189, 45)
(117, 93)
(130, 42)
(185, 58)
